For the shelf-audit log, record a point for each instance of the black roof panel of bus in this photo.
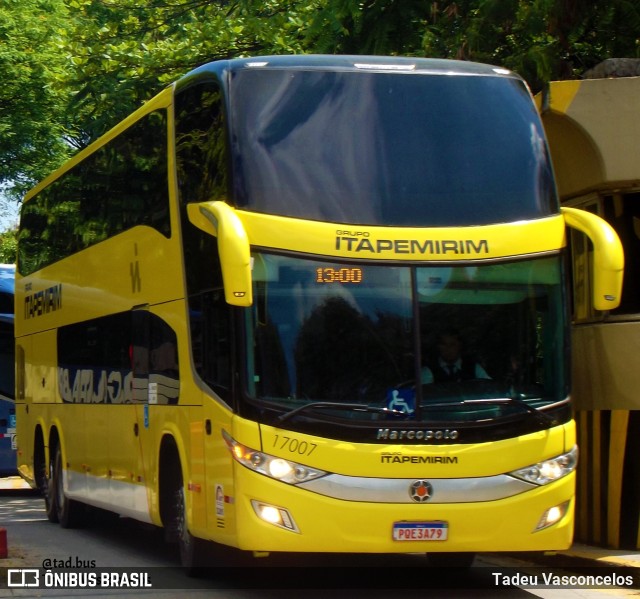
(349, 63)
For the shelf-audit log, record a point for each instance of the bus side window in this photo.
(92, 353)
(201, 145)
(121, 185)
(622, 212)
(581, 251)
(211, 339)
(154, 359)
(201, 157)
(581, 254)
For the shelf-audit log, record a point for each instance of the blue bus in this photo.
(7, 373)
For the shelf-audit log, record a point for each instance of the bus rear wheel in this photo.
(67, 511)
(43, 472)
(48, 489)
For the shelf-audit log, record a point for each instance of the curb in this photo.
(603, 556)
(582, 556)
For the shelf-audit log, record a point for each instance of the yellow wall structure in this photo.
(594, 133)
(593, 128)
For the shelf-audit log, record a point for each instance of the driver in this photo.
(451, 365)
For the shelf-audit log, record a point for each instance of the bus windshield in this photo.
(388, 148)
(436, 343)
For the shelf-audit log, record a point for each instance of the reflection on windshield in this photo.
(422, 342)
(387, 148)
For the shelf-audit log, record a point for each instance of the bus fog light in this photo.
(552, 515)
(278, 516)
(269, 514)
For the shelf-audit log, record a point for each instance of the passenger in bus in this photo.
(451, 364)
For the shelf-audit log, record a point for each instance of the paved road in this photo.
(111, 544)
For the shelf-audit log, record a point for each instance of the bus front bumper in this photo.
(271, 516)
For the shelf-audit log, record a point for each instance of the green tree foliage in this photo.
(8, 246)
(542, 40)
(73, 68)
(123, 51)
(32, 135)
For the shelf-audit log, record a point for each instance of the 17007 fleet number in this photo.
(294, 445)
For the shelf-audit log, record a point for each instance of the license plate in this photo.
(420, 531)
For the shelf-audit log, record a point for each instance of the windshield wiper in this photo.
(542, 417)
(335, 405)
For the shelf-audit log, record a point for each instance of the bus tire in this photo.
(50, 503)
(43, 474)
(68, 512)
(192, 549)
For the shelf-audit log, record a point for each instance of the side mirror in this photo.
(220, 220)
(608, 256)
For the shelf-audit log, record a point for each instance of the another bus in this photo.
(7, 373)
(228, 307)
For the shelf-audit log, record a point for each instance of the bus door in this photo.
(142, 393)
(155, 383)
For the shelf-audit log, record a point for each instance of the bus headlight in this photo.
(549, 471)
(280, 469)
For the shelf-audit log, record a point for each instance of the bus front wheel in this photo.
(191, 548)
(173, 510)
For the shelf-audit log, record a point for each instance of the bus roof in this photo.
(399, 64)
(352, 63)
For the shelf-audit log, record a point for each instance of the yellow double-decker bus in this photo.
(309, 304)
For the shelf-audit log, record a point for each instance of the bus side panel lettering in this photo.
(94, 385)
(43, 302)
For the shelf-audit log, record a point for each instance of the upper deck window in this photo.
(121, 185)
(388, 148)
